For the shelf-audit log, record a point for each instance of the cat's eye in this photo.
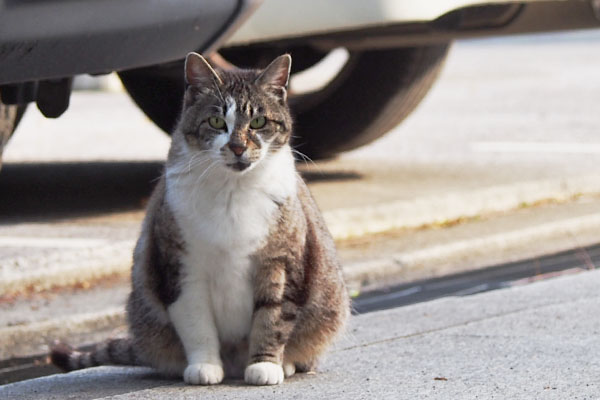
(258, 122)
(217, 122)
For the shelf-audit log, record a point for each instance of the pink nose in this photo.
(237, 149)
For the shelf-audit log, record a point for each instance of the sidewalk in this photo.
(534, 341)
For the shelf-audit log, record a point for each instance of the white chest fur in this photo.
(224, 217)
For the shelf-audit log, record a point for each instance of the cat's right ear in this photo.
(198, 71)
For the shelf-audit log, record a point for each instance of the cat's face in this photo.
(235, 119)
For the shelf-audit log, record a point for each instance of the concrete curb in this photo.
(478, 252)
(68, 268)
(31, 339)
(65, 268)
(355, 222)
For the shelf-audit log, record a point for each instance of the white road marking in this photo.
(536, 147)
(37, 242)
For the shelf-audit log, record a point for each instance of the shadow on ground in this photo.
(33, 192)
(49, 191)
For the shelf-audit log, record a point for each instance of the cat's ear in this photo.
(277, 75)
(198, 71)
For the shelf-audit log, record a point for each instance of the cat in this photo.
(235, 273)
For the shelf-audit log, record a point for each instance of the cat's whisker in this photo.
(179, 170)
(190, 162)
(305, 158)
(159, 177)
(199, 180)
(199, 163)
(211, 166)
(216, 108)
(220, 94)
(215, 96)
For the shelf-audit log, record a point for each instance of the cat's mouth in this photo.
(239, 165)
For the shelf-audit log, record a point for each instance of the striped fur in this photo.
(111, 352)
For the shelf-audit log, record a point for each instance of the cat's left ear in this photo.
(198, 71)
(277, 75)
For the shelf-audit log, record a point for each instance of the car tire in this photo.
(10, 115)
(373, 92)
(158, 91)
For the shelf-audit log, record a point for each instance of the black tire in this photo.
(373, 93)
(376, 90)
(158, 91)
(10, 115)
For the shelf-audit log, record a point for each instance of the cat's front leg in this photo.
(192, 317)
(272, 324)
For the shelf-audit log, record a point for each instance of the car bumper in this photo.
(60, 38)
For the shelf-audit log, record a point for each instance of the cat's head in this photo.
(236, 118)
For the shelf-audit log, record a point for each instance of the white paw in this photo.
(289, 369)
(263, 373)
(203, 374)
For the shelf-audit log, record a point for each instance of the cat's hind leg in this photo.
(289, 369)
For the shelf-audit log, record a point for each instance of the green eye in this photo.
(216, 122)
(258, 122)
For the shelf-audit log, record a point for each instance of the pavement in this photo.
(533, 341)
(82, 309)
(499, 163)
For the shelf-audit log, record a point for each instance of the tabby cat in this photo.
(235, 273)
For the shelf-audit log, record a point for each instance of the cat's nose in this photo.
(237, 149)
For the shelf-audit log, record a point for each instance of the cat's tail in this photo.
(111, 352)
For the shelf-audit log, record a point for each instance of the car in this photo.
(388, 52)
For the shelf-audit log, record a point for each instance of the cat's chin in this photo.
(239, 166)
